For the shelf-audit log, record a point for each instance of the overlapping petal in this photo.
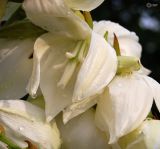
(155, 88)
(97, 70)
(16, 67)
(24, 121)
(145, 137)
(56, 16)
(51, 49)
(128, 41)
(124, 106)
(85, 5)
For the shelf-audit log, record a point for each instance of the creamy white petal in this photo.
(128, 41)
(15, 66)
(13, 116)
(77, 108)
(3, 145)
(40, 48)
(130, 47)
(56, 98)
(85, 5)
(54, 15)
(155, 89)
(145, 137)
(124, 106)
(102, 26)
(81, 133)
(97, 70)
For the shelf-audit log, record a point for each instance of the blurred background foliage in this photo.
(142, 17)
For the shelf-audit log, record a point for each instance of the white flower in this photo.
(82, 133)
(128, 41)
(126, 103)
(145, 137)
(25, 122)
(58, 54)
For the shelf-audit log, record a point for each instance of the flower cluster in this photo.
(83, 81)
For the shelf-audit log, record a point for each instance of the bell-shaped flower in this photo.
(24, 123)
(82, 133)
(57, 60)
(144, 137)
(126, 103)
(128, 41)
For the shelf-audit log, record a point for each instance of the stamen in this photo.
(68, 72)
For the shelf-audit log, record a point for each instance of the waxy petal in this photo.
(85, 5)
(124, 106)
(56, 98)
(78, 108)
(15, 66)
(155, 88)
(55, 16)
(81, 133)
(97, 70)
(128, 41)
(24, 121)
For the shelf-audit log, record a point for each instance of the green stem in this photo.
(7, 141)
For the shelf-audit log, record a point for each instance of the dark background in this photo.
(142, 17)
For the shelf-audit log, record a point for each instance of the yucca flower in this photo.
(58, 55)
(24, 122)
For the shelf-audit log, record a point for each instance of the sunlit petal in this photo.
(24, 121)
(85, 5)
(124, 106)
(155, 89)
(56, 98)
(98, 69)
(54, 15)
(78, 108)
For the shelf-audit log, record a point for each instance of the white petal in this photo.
(32, 128)
(85, 5)
(15, 66)
(40, 48)
(128, 40)
(56, 98)
(155, 89)
(81, 133)
(54, 15)
(102, 26)
(78, 108)
(130, 47)
(124, 106)
(97, 70)
(3, 145)
(145, 137)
